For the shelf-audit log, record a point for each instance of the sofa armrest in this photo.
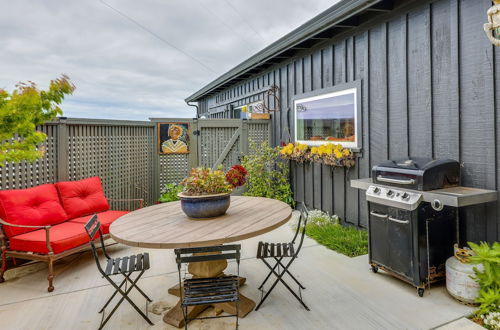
(5, 223)
(46, 228)
(140, 200)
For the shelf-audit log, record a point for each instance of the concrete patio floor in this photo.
(342, 293)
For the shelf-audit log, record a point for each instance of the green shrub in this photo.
(170, 193)
(327, 231)
(267, 175)
(488, 278)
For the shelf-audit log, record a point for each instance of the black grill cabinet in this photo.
(409, 238)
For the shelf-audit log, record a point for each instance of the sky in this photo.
(133, 60)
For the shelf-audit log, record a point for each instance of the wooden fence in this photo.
(125, 154)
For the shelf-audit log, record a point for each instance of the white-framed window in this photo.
(328, 117)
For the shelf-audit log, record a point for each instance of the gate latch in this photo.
(197, 132)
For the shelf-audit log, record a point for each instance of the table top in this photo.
(165, 226)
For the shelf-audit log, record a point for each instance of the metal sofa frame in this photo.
(50, 257)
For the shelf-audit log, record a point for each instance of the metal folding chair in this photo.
(114, 266)
(212, 290)
(280, 252)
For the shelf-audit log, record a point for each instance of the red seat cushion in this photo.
(63, 237)
(83, 197)
(37, 206)
(105, 218)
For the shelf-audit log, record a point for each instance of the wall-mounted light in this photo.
(492, 28)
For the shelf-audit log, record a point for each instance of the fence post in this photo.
(156, 164)
(244, 136)
(193, 160)
(62, 150)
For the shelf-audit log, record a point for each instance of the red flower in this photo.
(240, 169)
(236, 175)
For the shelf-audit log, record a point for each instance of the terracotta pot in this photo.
(205, 206)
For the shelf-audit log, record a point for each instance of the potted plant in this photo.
(206, 192)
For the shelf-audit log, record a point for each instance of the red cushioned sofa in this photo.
(46, 222)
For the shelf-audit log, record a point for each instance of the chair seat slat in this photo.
(272, 251)
(146, 261)
(259, 250)
(131, 264)
(109, 266)
(285, 250)
(124, 265)
(116, 266)
(138, 263)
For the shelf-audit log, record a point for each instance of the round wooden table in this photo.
(165, 226)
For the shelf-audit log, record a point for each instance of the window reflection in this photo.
(329, 118)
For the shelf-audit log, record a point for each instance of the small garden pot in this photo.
(205, 206)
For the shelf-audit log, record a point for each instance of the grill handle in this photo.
(378, 215)
(395, 181)
(398, 220)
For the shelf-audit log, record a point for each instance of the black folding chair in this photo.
(280, 252)
(124, 266)
(212, 290)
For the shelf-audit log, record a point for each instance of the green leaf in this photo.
(22, 111)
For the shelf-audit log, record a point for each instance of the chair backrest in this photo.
(93, 228)
(208, 253)
(301, 225)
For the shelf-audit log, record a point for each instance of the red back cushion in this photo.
(37, 206)
(83, 197)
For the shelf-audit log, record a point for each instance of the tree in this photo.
(22, 111)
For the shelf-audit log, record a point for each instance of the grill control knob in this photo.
(376, 190)
(405, 196)
(390, 193)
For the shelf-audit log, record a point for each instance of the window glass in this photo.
(327, 118)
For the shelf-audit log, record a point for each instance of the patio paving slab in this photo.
(342, 293)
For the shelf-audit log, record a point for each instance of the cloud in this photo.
(123, 72)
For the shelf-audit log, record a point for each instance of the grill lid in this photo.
(412, 163)
(418, 173)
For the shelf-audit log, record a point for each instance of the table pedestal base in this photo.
(175, 316)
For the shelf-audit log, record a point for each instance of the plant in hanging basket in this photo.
(328, 154)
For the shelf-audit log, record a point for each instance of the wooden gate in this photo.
(212, 142)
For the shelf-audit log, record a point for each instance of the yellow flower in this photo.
(329, 151)
(301, 147)
(314, 150)
(346, 152)
(338, 154)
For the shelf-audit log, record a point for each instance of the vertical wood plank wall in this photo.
(430, 87)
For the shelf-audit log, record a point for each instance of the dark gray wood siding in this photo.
(430, 87)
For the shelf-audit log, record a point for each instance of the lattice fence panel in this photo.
(122, 156)
(233, 157)
(258, 132)
(25, 174)
(212, 142)
(173, 169)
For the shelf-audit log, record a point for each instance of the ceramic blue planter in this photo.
(207, 206)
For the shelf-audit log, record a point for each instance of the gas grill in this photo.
(413, 216)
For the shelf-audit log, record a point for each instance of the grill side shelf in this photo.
(455, 196)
